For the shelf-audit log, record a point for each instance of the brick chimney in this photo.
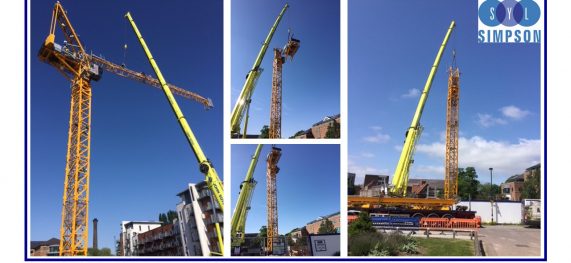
(95, 233)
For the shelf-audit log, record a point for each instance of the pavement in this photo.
(510, 240)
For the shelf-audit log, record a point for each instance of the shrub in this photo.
(380, 244)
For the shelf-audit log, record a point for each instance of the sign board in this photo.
(325, 245)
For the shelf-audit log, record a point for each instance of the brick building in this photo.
(161, 241)
(374, 185)
(319, 129)
(45, 248)
(512, 188)
(425, 188)
(313, 226)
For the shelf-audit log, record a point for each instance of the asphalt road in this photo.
(510, 240)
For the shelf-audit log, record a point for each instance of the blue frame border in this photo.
(26, 258)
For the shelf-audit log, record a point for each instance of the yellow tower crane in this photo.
(452, 125)
(80, 68)
(280, 57)
(272, 198)
(212, 179)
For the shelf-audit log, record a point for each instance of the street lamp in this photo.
(491, 201)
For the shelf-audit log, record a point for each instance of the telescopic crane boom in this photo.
(80, 68)
(243, 204)
(212, 179)
(243, 102)
(400, 178)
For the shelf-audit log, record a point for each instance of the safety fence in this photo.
(450, 223)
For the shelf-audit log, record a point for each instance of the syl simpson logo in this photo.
(510, 21)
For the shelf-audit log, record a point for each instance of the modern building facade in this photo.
(198, 214)
(129, 235)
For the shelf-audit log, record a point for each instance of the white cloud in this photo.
(412, 93)
(425, 171)
(514, 112)
(367, 155)
(506, 158)
(361, 170)
(487, 120)
(377, 138)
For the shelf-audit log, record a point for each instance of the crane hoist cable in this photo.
(212, 180)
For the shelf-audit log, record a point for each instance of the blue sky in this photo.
(392, 45)
(307, 184)
(310, 86)
(140, 158)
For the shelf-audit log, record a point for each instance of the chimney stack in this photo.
(95, 233)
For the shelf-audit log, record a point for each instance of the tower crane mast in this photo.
(272, 198)
(243, 102)
(400, 178)
(280, 57)
(80, 68)
(243, 204)
(452, 126)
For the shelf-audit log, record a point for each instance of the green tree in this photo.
(99, 252)
(105, 251)
(467, 183)
(261, 236)
(362, 224)
(169, 217)
(297, 133)
(532, 186)
(485, 192)
(263, 232)
(333, 130)
(289, 240)
(265, 132)
(326, 227)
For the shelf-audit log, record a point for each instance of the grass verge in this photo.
(445, 247)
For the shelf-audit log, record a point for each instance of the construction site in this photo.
(137, 140)
(286, 178)
(285, 97)
(418, 208)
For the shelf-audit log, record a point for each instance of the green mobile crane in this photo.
(400, 178)
(212, 180)
(243, 204)
(242, 105)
